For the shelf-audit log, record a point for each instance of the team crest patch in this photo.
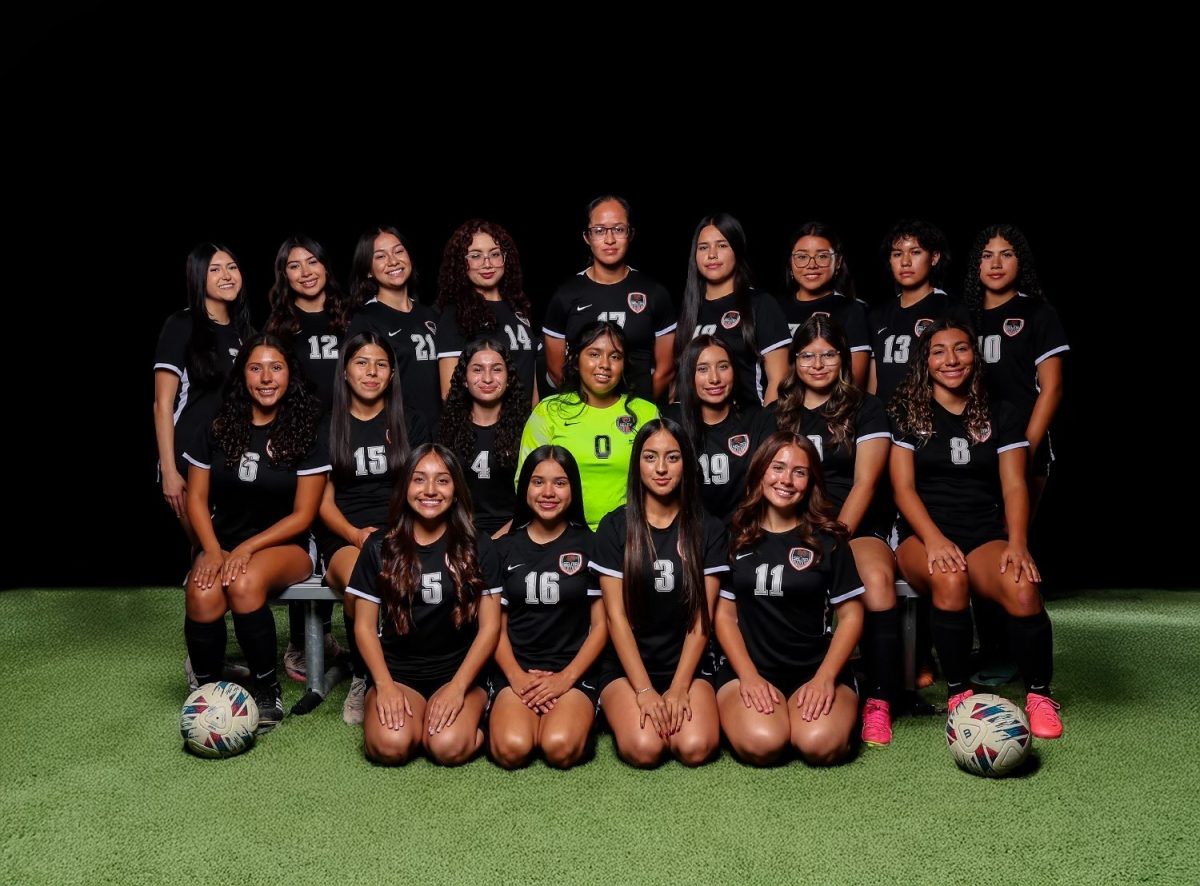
(800, 558)
(921, 325)
(1012, 326)
(626, 424)
(739, 444)
(431, 326)
(569, 564)
(521, 317)
(986, 432)
(730, 319)
(636, 302)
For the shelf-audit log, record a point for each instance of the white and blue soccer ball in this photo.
(219, 720)
(988, 735)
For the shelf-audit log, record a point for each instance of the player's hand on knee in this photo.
(945, 556)
(392, 705)
(207, 569)
(757, 693)
(235, 565)
(444, 708)
(1018, 560)
(815, 698)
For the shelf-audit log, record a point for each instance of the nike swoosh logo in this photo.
(572, 422)
(518, 566)
(747, 554)
(582, 307)
(397, 332)
(880, 329)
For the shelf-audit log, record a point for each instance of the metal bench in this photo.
(310, 592)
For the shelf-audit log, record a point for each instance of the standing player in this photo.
(659, 559)
(255, 481)
(593, 416)
(428, 618)
(785, 680)
(482, 424)
(196, 350)
(725, 431)
(480, 291)
(818, 271)
(958, 470)
(719, 299)
(852, 438)
(369, 437)
(309, 311)
(917, 255)
(383, 286)
(609, 289)
(552, 625)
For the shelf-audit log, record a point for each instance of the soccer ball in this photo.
(988, 735)
(218, 720)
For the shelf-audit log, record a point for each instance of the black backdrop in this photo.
(109, 232)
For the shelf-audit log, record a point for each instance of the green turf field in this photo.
(96, 787)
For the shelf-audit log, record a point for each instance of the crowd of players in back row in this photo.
(527, 542)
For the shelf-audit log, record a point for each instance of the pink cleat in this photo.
(957, 698)
(877, 723)
(1044, 721)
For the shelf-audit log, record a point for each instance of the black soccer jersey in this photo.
(492, 487)
(511, 326)
(785, 598)
(433, 648)
(411, 335)
(256, 493)
(1014, 339)
(894, 333)
(846, 312)
(959, 481)
(721, 317)
(724, 455)
(363, 497)
(316, 345)
(661, 626)
(548, 595)
(195, 406)
(637, 304)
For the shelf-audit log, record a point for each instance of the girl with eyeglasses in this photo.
(480, 291)
(552, 623)
(719, 299)
(852, 439)
(958, 471)
(594, 416)
(481, 424)
(428, 617)
(384, 286)
(785, 682)
(819, 277)
(660, 558)
(609, 289)
(726, 432)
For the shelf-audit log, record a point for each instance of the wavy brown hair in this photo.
(400, 577)
(815, 512)
(845, 398)
(456, 289)
(455, 429)
(1027, 282)
(911, 406)
(294, 428)
(284, 320)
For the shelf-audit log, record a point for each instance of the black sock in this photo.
(206, 646)
(357, 667)
(990, 621)
(952, 635)
(325, 611)
(296, 625)
(256, 634)
(881, 649)
(1032, 641)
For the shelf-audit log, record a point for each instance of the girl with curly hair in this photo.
(482, 423)
(480, 291)
(383, 287)
(309, 311)
(958, 471)
(784, 681)
(255, 481)
(428, 617)
(660, 559)
(594, 416)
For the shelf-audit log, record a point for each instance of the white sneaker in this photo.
(352, 710)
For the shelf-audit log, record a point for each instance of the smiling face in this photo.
(549, 493)
(951, 360)
(818, 365)
(785, 482)
(999, 266)
(224, 280)
(487, 377)
(390, 263)
(607, 248)
(368, 372)
(305, 273)
(911, 263)
(485, 262)
(266, 376)
(600, 367)
(430, 489)
(714, 376)
(814, 264)
(714, 256)
(661, 464)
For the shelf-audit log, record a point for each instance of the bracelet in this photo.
(647, 689)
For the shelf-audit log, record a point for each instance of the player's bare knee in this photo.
(387, 747)
(452, 747)
(562, 749)
(695, 749)
(510, 749)
(645, 752)
(759, 747)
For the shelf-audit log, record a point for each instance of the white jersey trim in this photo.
(776, 346)
(846, 596)
(442, 354)
(595, 592)
(546, 330)
(860, 348)
(321, 470)
(881, 435)
(1000, 449)
(612, 573)
(171, 367)
(903, 445)
(728, 595)
(489, 592)
(356, 592)
(197, 463)
(713, 570)
(667, 329)
(1051, 353)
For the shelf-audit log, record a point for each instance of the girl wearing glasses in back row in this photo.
(822, 284)
(480, 291)
(609, 289)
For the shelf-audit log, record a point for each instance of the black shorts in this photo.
(426, 687)
(966, 542)
(588, 684)
(610, 669)
(879, 528)
(787, 681)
